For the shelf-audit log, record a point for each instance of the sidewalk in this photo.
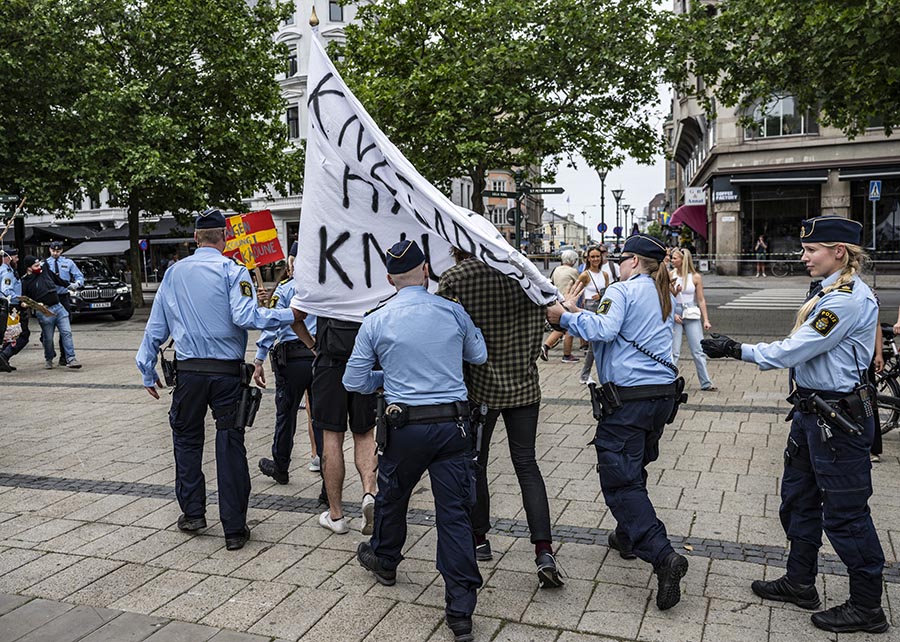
(88, 535)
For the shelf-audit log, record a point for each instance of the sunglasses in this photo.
(624, 257)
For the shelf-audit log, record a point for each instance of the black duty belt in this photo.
(637, 393)
(209, 366)
(438, 412)
(800, 398)
(296, 350)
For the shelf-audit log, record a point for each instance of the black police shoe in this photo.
(847, 618)
(4, 365)
(483, 552)
(267, 467)
(191, 524)
(668, 577)
(62, 362)
(625, 552)
(783, 590)
(369, 561)
(547, 571)
(461, 628)
(236, 542)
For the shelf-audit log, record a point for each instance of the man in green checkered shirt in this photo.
(508, 383)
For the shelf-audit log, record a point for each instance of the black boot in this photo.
(847, 618)
(461, 627)
(783, 590)
(668, 578)
(268, 468)
(625, 551)
(369, 561)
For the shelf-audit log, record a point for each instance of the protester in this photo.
(41, 285)
(10, 289)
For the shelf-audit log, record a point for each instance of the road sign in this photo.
(492, 193)
(143, 245)
(874, 190)
(617, 231)
(602, 227)
(9, 198)
(547, 190)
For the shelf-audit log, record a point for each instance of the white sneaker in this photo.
(368, 511)
(338, 526)
(315, 464)
(590, 380)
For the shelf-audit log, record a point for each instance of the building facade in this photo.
(562, 232)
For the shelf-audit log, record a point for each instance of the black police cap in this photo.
(56, 245)
(211, 219)
(644, 245)
(830, 229)
(403, 257)
(9, 251)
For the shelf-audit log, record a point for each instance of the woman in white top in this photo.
(595, 280)
(691, 317)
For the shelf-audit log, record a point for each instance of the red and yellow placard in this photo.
(253, 239)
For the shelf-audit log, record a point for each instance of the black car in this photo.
(102, 293)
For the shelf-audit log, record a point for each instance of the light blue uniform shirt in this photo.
(421, 341)
(68, 272)
(822, 350)
(629, 310)
(206, 303)
(10, 284)
(281, 299)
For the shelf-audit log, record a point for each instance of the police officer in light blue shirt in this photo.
(65, 269)
(631, 335)
(292, 359)
(421, 341)
(827, 477)
(10, 290)
(206, 304)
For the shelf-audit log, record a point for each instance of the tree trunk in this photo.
(479, 182)
(134, 220)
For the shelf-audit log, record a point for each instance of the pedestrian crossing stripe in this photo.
(768, 299)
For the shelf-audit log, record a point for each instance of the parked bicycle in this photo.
(886, 382)
(787, 266)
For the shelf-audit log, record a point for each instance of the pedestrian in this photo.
(206, 304)
(292, 257)
(68, 272)
(421, 341)
(608, 266)
(10, 290)
(292, 359)
(595, 282)
(691, 315)
(760, 251)
(507, 384)
(563, 276)
(631, 334)
(827, 478)
(42, 286)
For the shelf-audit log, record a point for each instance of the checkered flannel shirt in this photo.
(513, 329)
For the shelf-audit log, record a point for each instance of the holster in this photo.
(477, 418)
(680, 398)
(4, 316)
(381, 427)
(168, 369)
(837, 413)
(249, 400)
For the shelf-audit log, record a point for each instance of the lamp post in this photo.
(584, 226)
(631, 226)
(624, 222)
(602, 173)
(617, 194)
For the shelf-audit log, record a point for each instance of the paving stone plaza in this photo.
(89, 549)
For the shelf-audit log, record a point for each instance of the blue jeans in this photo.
(60, 319)
(693, 328)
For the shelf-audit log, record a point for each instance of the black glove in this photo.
(718, 345)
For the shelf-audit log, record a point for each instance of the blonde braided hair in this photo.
(854, 261)
(661, 279)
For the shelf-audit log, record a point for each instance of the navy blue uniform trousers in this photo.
(194, 393)
(292, 380)
(626, 442)
(446, 453)
(827, 486)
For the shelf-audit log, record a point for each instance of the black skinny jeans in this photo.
(521, 431)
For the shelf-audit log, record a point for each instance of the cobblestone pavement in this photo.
(89, 549)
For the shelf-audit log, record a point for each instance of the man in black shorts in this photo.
(333, 408)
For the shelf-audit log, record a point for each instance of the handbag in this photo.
(691, 313)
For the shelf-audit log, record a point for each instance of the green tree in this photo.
(839, 56)
(655, 229)
(465, 87)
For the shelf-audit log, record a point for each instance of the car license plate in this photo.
(95, 306)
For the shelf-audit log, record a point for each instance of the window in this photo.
(289, 20)
(95, 201)
(498, 186)
(335, 11)
(293, 122)
(292, 65)
(780, 117)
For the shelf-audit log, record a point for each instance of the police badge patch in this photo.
(604, 306)
(273, 301)
(246, 288)
(824, 322)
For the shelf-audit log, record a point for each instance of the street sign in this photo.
(492, 193)
(874, 190)
(617, 231)
(9, 198)
(143, 245)
(547, 190)
(602, 227)
(511, 216)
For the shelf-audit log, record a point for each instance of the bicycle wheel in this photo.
(888, 413)
(780, 268)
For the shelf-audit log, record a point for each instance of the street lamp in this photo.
(584, 225)
(631, 211)
(602, 173)
(617, 194)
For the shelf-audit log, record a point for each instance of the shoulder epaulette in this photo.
(847, 287)
(286, 280)
(375, 309)
(449, 298)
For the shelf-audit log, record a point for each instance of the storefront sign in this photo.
(695, 196)
(724, 191)
(728, 219)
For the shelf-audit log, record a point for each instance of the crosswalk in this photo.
(769, 299)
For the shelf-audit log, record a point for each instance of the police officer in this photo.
(68, 272)
(827, 477)
(421, 341)
(631, 336)
(10, 289)
(206, 304)
(292, 359)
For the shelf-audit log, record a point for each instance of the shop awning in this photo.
(773, 178)
(98, 248)
(866, 173)
(694, 216)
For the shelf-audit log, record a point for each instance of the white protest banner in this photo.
(361, 195)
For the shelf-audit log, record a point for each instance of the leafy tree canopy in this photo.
(839, 56)
(464, 87)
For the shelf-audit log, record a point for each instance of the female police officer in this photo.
(631, 336)
(827, 475)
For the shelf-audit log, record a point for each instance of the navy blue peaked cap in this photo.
(644, 245)
(403, 257)
(830, 229)
(211, 219)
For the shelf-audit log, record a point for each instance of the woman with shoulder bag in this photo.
(595, 281)
(691, 317)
